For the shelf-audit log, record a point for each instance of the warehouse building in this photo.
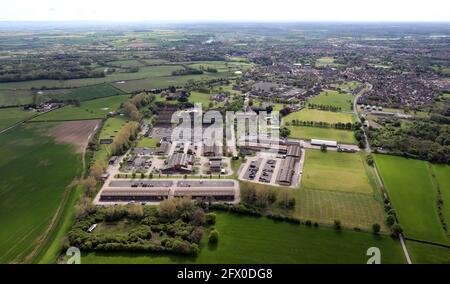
(287, 171)
(178, 163)
(318, 142)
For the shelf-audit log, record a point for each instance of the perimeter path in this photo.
(377, 174)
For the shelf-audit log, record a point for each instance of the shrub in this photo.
(213, 237)
(210, 219)
(376, 228)
(390, 220)
(337, 225)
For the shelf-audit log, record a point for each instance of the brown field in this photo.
(75, 132)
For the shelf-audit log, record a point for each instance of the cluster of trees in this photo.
(177, 226)
(391, 219)
(324, 107)
(322, 124)
(360, 138)
(425, 140)
(54, 73)
(264, 197)
(124, 138)
(131, 107)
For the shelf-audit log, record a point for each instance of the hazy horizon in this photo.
(225, 11)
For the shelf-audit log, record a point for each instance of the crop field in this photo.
(35, 173)
(126, 63)
(333, 98)
(91, 92)
(93, 109)
(244, 239)
(305, 132)
(320, 116)
(413, 195)
(335, 171)
(338, 186)
(15, 97)
(11, 116)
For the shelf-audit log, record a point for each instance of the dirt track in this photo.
(75, 132)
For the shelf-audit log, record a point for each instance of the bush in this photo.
(390, 220)
(397, 229)
(213, 237)
(337, 225)
(210, 219)
(376, 228)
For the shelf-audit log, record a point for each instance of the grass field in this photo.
(338, 186)
(335, 171)
(204, 99)
(97, 108)
(428, 254)
(110, 128)
(413, 195)
(326, 61)
(442, 176)
(260, 240)
(318, 116)
(148, 142)
(14, 97)
(305, 132)
(34, 175)
(333, 98)
(349, 86)
(91, 92)
(11, 116)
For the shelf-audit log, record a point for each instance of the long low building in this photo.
(319, 142)
(287, 171)
(154, 191)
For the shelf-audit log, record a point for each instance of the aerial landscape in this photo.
(233, 142)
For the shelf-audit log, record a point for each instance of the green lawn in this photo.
(326, 61)
(442, 175)
(35, 172)
(109, 130)
(333, 98)
(97, 108)
(148, 142)
(11, 116)
(338, 186)
(335, 171)
(413, 195)
(428, 254)
(349, 86)
(260, 240)
(318, 116)
(305, 132)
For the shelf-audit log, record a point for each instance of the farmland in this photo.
(338, 186)
(93, 109)
(91, 92)
(333, 98)
(35, 172)
(428, 254)
(320, 116)
(11, 116)
(410, 186)
(260, 240)
(305, 132)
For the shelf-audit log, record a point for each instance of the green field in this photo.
(148, 142)
(413, 195)
(333, 98)
(305, 132)
(144, 73)
(442, 175)
(320, 116)
(34, 175)
(326, 62)
(91, 92)
(335, 171)
(222, 66)
(260, 240)
(110, 128)
(11, 116)
(349, 86)
(428, 254)
(15, 98)
(93, 109)
(338, 186)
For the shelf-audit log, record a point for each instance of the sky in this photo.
(225, 10)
